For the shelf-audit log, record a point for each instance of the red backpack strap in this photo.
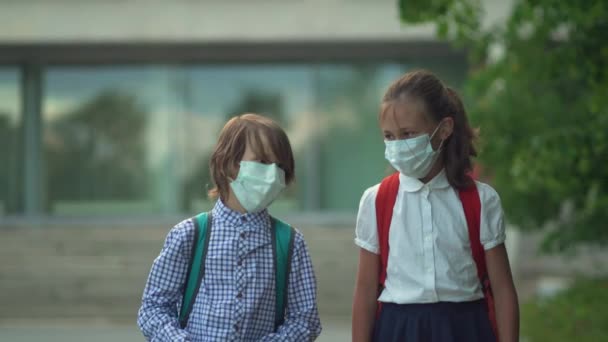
(385, 201)
(471, 204)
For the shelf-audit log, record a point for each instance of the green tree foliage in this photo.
(541, 103)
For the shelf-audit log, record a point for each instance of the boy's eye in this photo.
(388, 137)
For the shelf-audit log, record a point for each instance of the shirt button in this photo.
(239, 263)
(236, 327)
(243, 219)
(242, 235)
(239, 295)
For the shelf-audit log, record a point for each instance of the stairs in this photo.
(98, 273)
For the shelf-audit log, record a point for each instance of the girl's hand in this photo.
(505, 296)
(366, 296)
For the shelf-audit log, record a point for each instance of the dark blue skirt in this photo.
(434, 322)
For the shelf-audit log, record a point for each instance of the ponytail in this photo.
(459, 147)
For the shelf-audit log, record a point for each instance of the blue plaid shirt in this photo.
(236, 300)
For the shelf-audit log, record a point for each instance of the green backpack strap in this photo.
(282, 249)
(196, 269)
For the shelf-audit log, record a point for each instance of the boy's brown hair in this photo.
(265, 137)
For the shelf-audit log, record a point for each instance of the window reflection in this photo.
(106, 140)
(137, 139)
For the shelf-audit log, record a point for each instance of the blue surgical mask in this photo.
(413, 157)
(257, 185)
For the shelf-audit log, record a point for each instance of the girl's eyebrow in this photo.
(401, 129)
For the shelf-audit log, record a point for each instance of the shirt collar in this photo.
(224, 213)
(411, 184)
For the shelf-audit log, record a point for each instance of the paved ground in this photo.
(333, 332)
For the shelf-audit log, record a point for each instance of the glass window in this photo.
(137, 139)
(352, 154)
(11, 136)
(107, 135)
(133, 140)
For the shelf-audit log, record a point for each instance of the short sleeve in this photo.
(492, 225)
(366, 234)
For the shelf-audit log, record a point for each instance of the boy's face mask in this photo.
(257, 185)
(414, 157)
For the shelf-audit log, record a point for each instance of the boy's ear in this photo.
(232, 171)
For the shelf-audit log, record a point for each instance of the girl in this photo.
(239, 297)
(419, 242)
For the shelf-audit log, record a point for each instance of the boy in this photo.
(239, 294)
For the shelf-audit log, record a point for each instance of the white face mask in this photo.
(257, 185)
(414, 157)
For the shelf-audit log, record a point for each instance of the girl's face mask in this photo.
(414, 157)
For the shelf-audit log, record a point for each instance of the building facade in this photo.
(112, 108)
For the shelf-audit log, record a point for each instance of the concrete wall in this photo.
(35, 21)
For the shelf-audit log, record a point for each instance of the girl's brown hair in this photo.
(440, 102)
(263, 135)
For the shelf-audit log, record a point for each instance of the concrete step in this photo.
(100, 272)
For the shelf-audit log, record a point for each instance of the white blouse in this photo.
(430, 256)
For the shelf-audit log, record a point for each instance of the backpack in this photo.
(385, 202)
(282, 249)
